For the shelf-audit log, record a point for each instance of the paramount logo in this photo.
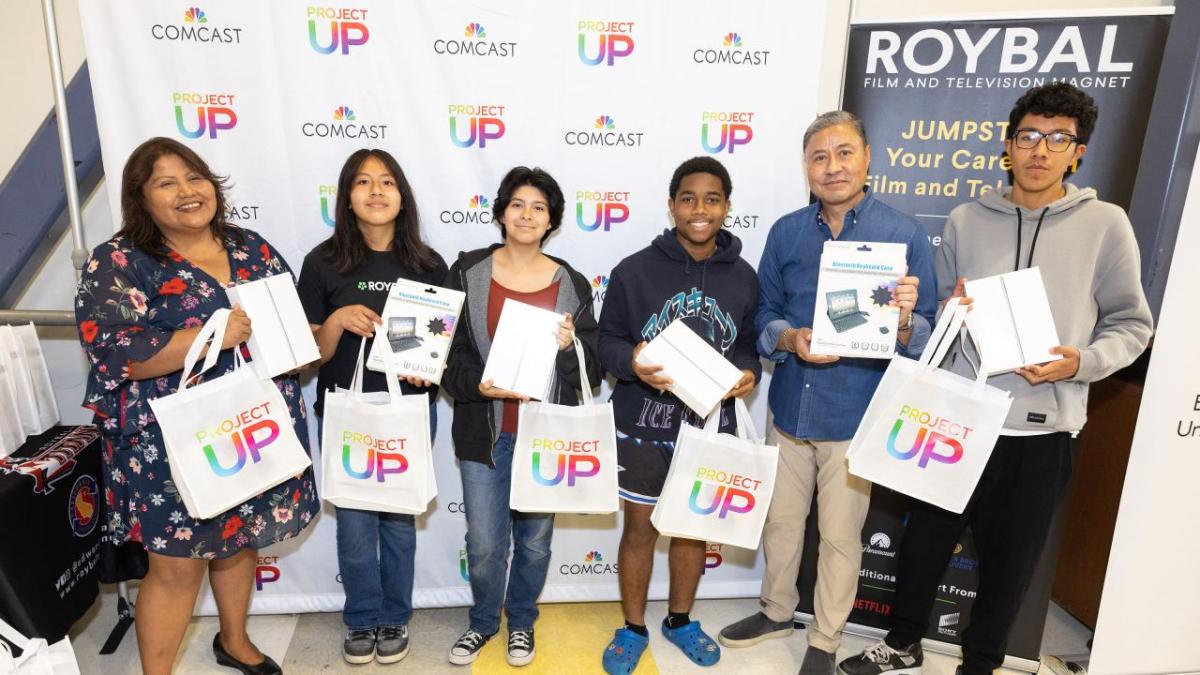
(880, 544)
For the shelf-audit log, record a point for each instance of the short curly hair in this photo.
(1054, 100)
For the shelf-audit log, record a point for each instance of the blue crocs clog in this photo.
(694, 642)
(622, 654)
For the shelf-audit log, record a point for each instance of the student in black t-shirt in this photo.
(343, 286)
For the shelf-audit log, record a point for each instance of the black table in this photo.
(50, 512)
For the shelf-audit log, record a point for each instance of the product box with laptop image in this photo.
(853, 315)
(418, 324)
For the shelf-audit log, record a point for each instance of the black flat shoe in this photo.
(267, 667)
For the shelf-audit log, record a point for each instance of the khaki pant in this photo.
(842, 502)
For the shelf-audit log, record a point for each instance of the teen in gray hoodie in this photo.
(1089, 262)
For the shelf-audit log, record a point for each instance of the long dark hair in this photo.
(347, 248)
(136, 224)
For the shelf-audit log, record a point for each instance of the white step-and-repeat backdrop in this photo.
(608, 96)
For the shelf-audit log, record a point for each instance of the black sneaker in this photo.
(753, 630)
(880, 658)
(520, 647)
(466, 649)
(359, 646)
(391, 644)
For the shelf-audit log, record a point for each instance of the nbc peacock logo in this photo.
(343, 113)
(195, 28)
(474, 41)
(478, 211)
(599, 288)
(604, 133)
(345, 124)
(732, 52)
(593, 565)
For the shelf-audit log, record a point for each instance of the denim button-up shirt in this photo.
(827, 402)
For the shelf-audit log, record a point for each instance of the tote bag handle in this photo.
(393, 384)
(212, 332)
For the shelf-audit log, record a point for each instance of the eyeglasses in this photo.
(1056, 141)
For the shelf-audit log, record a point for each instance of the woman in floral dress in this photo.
(142, 299)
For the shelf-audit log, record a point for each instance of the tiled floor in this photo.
(570, 639)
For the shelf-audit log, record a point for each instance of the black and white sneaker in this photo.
(880, 658)
(466, 649)
(391, 643)
(520, 647)
(359, 646)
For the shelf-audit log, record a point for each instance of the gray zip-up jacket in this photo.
(1091, 267)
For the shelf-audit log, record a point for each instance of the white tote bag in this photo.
(928, 433)
(12, 355)
(719, 486)
(37, 656)
(228, 439)
(12, 433)
(565, 457)
(376, 453)
(39, 377)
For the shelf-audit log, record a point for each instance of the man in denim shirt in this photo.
(817, 401)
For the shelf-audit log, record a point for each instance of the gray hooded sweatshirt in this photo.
(1091, 267)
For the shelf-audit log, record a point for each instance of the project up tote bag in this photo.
(719, 486)
(376, 453)
(928, 433)
(230, 438)
(565, 459)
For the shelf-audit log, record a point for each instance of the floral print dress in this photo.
(128, 306)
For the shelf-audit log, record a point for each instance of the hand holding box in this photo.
(701, 375)
(281, 339)
(1010, 320)
(522, 356)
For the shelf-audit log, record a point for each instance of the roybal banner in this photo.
(609, 98)
(935, 97)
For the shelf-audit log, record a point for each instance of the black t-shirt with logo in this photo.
(323, 291)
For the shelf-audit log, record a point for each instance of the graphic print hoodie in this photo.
(716, 298)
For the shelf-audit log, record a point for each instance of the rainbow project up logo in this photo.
(572, 460)
(213, 114)
(249, 432)
(475, 125)
(381, 457)
(328, 202)
(734, 129)
(613, 40)
(722, 492)
(933, 432)
(600, 209)
(331, 29)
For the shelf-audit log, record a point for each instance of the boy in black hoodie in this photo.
(691, 273)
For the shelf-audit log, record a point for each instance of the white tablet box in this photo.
(1010, 320)
(701, 375)
(281, 339)
(419, 321)
(852, 316)
(524, 350)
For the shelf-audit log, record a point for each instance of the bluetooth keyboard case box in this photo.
(281, 339)
(418, 324)
(852, 316)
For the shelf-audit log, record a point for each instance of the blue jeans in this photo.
(491, 526)
(376, 559)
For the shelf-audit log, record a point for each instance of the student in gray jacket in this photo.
(1090, 264)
